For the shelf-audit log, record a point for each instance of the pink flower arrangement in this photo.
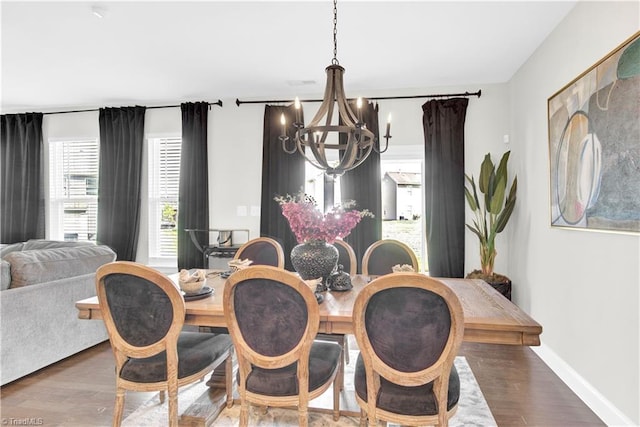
(308, 223)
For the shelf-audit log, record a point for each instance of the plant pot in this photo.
(497, 281)
(314, 259)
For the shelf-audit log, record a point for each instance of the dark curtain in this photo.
(443, 122)
(121, 142)
(282, 174)
(193, 199)
(362, 184)
(22, 175)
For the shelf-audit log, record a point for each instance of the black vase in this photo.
(314, 259)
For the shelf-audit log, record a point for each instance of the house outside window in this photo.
(73, 189)
(402, 203)
(164, 181)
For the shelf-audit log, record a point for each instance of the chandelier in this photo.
(333, 148)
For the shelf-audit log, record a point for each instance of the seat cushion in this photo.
(196, 351)
(323, 363)
(398, 399)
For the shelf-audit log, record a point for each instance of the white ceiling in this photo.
(59, 55)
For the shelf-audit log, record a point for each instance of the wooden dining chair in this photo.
(273, 318)
(262, 251)
(144, 313)
(409, 328)
(346, 257)
(382, 255)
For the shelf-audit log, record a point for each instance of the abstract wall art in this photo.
(594, 145)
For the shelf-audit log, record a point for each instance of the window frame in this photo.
(55, 197)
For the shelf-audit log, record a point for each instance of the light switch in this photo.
(255, 210)
(242, 211)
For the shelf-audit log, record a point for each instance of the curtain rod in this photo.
(446, 95)
(218, 102)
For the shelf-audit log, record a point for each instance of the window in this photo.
(73, 189)
(402, 204)
(164, 180)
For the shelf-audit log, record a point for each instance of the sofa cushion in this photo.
(36, 244)
(39, 266)
(6, 249)
(5, 275)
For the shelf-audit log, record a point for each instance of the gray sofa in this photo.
(40, 282)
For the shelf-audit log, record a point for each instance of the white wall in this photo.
(583, 287)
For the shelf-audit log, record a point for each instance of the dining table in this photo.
(489, 318)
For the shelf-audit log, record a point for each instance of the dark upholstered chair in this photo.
(381, 256)
(144, 314)
(262, 251)
(409, 328)
(273, 318)
(346, 257)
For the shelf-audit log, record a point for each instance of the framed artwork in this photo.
(594, 145)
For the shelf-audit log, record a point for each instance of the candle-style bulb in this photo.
(297, 105)
(387, 134)
(283, 121)
(359, 103)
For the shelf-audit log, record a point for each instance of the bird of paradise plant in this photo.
(491, 216)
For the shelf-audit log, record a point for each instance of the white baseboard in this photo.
(602, 407)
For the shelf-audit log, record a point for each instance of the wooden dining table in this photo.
(489, 318)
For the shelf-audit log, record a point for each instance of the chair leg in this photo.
(244, 413)
(173, 404)
(363, 418)
(346, 349)
(338, 385)
(117, 412)
(303, 416)
(228, 372)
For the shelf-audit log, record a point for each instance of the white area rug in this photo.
(472, 407)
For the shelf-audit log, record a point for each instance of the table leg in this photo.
(204, 411)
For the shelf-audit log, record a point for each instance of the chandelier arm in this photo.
(291, 150)
(386, 145)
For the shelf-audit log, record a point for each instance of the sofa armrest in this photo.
(40, 325)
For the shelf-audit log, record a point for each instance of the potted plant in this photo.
(491, 214)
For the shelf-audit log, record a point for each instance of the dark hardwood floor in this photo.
(79, 391)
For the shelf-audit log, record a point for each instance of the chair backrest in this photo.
(272, 316)
(346, 257)
(262, 251)
(143, 310)
(408, 327)
(382, 255)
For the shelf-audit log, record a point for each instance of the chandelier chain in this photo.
(334, 61)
